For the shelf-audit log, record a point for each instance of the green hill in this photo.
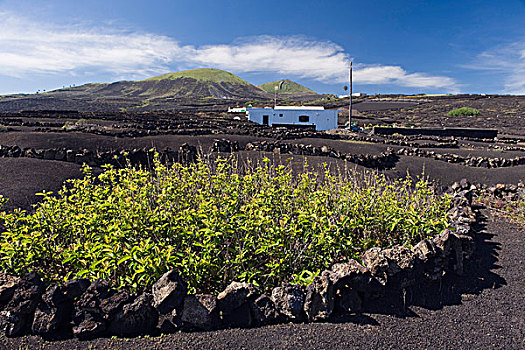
(166, 91)
(195, 83)
(286, 87)
(202, 75)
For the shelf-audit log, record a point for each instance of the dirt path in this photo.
(483, 310)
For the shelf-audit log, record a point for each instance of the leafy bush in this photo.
(215, 222)
(463, 111)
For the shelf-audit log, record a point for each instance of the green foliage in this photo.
(203, 74)
(214, 222)
(286, 87)
(463, 111)
(253, 102)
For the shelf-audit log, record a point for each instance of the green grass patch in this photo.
(463, 111)
(215, 222)
(203, 74)
(285, 87)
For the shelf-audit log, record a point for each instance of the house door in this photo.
(265, 120)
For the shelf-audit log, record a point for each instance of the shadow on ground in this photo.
(479, 274)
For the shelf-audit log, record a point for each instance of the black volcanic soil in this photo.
(21, 178)
(486, 310)
(505, 113)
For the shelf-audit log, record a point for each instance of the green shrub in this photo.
(215, 223)
(463, 111)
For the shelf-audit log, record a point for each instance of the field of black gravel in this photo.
(482, 309)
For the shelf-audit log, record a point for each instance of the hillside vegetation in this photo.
(195, 84)
(203, 75)
(286, 87)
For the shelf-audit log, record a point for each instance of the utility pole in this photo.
(350, 105)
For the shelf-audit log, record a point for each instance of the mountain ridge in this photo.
(286, 87)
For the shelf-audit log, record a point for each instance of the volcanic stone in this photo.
(169, 292)
(200, 311)
(289, 301)
(319, 301)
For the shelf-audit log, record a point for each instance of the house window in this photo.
(304, 118)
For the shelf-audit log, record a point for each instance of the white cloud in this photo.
(323, 61)
(28, 47)
(508, 60)
(396, 75)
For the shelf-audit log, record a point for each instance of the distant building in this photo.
(354, 94)
(296, 116)
(237, 110)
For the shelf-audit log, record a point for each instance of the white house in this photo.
(306, 116)
(236, 109)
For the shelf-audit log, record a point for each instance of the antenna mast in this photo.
(350, 90)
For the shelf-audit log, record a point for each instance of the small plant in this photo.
(513, 209)
(463, 111)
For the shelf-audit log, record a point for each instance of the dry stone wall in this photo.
(89, 309)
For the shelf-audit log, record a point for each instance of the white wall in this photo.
(322, 119)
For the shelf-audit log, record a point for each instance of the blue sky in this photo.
(396, 46)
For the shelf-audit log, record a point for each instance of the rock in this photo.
(386, 265)
(452, 250)
(88, 318)
(289, 301)
(402, 265)
(113, 305)
(90, 326)
(138, 157)
(319, 301)
(169, 292)
(235, 295)
(187, 153)
(264, 311)
(137, 318)
(464, 184)
(169, 323)
(399, 258)
(75, 288)
(53, 313)
(224, 145)
(70, 156)
(49, 154)
(376, 263)
(240, 317)
(349, 268)
(60, 155)
(8, 285)
(352, 282)
(425, 250)
(200, 311)
(234, 304)
(17, 316)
